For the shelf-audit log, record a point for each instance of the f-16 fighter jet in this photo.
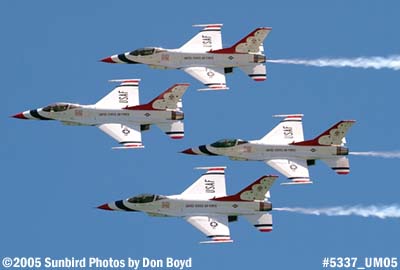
(206, 206)
(119, 114)
(204, 58)
(285, 150)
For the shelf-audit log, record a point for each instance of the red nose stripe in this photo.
(189, 151)
(107, 60)
(20, 116)
(104, 207)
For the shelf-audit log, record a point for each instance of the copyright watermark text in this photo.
(95, 263)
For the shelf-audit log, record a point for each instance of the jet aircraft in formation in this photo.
(206, 206)
(285, 150)
(204, 58)
(119, 114)
(205, 203)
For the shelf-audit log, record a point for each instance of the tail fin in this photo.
(171, 99)
(210, 184)
(255, 191)
(252, 43)
(209, 38)
(124, 95)
(333, 136)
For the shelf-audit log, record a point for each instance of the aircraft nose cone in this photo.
(107, 60)
(19, 116)
(188, 151)
(104, 207)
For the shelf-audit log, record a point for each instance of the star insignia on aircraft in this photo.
(125, 131)
(213, 224)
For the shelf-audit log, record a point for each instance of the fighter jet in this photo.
(206, 206)
(119, 114)
(204, 58)
(285, 150)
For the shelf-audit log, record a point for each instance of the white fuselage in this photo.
(163, 58)
(177, 206)
(91, 115)
(257, 151)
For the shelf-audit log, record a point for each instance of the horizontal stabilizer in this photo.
(175, 130)
(257, 72)
(340, 165)
(263, 222)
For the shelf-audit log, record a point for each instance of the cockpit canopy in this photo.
(59, 107)
(145, 198)
(228, 143)
(145, 51)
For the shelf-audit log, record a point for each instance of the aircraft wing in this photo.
(127, 136)
(214, 227)
(294, 169)
(213, 78)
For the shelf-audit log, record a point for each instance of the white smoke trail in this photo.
(384, 211)
(376, 62)
(394, 154)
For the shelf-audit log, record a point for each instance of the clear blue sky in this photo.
(54, 176)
